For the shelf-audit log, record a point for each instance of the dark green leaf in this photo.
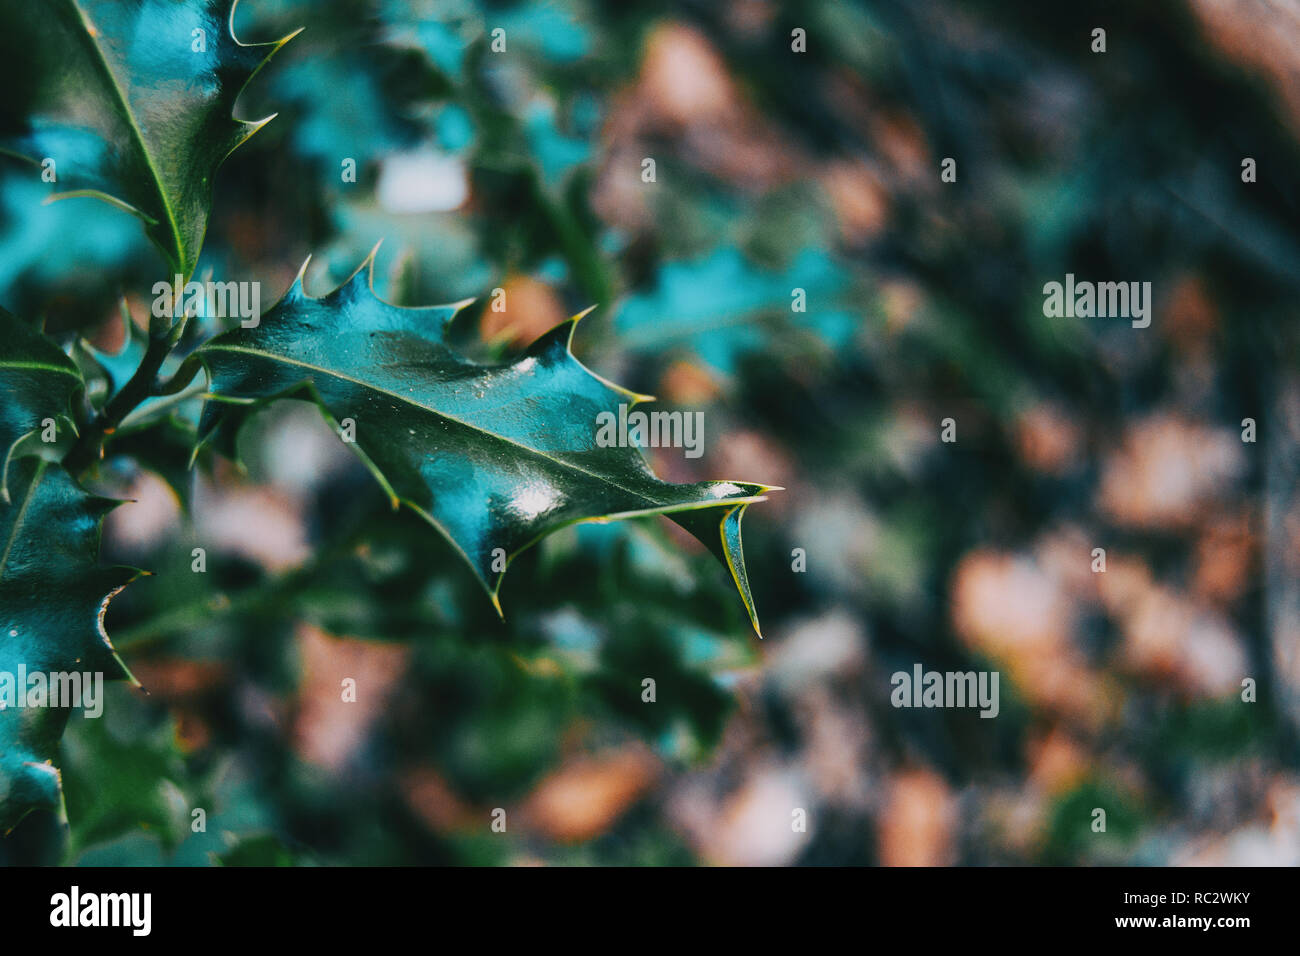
(493, 456)
(132, 102)
(37, 381)
(53, 596)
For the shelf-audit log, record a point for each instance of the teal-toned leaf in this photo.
(553, 30)
(53, 595)
(713, 305)
(115, 368)
(444, 45)
(59, 249)
(37, 382)
(132, 102)
(556, 153)
(493, 456)
(353, 120)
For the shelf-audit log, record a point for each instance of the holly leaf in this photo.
(37, 381)
(132, 102)
(493, 456)
(53, 596)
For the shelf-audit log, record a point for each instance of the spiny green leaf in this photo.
(53, 596)
(493, 456)
(37, 381)
(132, 101)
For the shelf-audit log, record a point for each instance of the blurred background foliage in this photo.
(521, 171)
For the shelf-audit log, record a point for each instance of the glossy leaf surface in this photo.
(53, 595)
(129, 101)
(493, 456)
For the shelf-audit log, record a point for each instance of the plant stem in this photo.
(90, 443)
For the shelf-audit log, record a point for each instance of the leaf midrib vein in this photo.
(269, 356)
(13, 363)
(136, 132)
(21, 516)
